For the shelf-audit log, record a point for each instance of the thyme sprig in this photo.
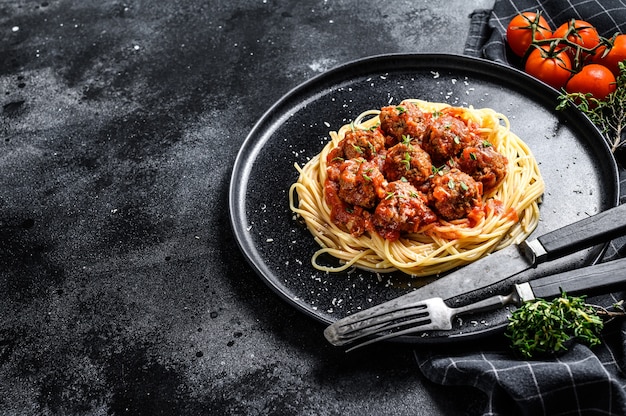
(542, 327)
(608, 115)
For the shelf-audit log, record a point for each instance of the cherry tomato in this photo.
(580, 33)
(593, 79)
(610, 58)
(519, 32)
(553, 68)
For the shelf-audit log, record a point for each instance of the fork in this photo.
(428, 315)
(433, 314)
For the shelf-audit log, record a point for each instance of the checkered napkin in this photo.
(582, 381)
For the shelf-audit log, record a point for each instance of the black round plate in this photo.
(577, 166)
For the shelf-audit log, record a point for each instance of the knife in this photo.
(508, 262)
(434, 314)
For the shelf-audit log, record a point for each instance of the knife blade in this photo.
(508, 262)
(433, 314)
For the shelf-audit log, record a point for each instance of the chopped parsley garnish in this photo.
(358, 149)
(437, 170)
(407, 160)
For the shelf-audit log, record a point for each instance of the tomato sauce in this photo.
(414, 169)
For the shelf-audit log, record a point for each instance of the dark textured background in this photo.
(122, 290)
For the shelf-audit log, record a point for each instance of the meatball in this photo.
(407, 160)
(360, 183)
(354, 220)
(454, 194)
(405, 119)
(362, 143)
(447, 137)
(403, 209)
(484, 164)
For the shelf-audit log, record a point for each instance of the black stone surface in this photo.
(122, 290)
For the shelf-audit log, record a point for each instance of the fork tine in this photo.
(383, 319)
(340, 334)
(422, 323)
(379, 338)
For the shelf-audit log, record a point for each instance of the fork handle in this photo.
(590, 280)
(487, 304)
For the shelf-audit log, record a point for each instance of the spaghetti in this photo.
(505, 213)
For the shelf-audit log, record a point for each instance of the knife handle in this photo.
(585, 233)
(587, 280)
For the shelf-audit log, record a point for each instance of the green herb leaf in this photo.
(407, 160)
(540, 327)
(437, 170)
(609, 115)
(357, 149)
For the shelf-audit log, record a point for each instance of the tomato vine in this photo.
(589, 70)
